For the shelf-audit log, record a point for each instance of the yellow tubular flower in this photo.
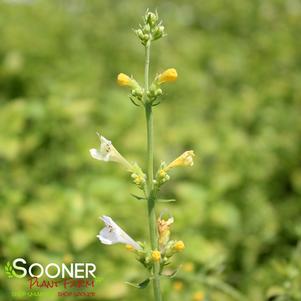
(123, 80)
(179, 246)
(168, 75)
(186, 159)
(156, 255)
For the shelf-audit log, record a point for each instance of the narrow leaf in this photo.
(173, 274)
(138, 197)
(132, 100)
(140, 285)
(165, 200)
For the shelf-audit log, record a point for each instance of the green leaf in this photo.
(165, 200)
(140, 285)
(173, 274)
(138, 197)
(134, 102)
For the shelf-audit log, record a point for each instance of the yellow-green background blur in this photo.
(236, 103)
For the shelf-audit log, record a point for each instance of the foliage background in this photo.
(236, 103)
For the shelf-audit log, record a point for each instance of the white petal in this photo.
(106, 219)
(109, 222)
(104, 240)
(109, 236)
(96, 154)
(113, 234)
(104, 140)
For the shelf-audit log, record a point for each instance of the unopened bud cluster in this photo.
(167, 248)
(138, 176)
(151, 29)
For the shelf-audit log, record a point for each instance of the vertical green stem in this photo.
(150, 175)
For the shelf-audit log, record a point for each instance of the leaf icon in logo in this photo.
(9, 270)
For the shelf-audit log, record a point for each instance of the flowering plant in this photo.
(156, 256)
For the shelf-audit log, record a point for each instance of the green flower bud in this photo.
(151, 18)
(139, 178)
(151, 29)
(173, 247)
(139, 33)
(158, 33)
(158, 92)
(147, 28)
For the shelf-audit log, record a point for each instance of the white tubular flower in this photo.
(107, 152)
(113, 234)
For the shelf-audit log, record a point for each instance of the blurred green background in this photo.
(236, 103)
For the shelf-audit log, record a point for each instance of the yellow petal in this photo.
(156, 255)
(123, 80)
(179, 246)
(168, 75)
(186, 159)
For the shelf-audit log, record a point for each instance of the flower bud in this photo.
(179, 246)
(155, 256)
(143, 258)
(158, 33)
(162, 176)
(158, 92)
(147, 28)
(161, 28)
(168, 75)
(129, 247)
(124, 80)
(164, 230)
(139, 33)
(186, 159)
(138, 176)
(151, 18)
(174, 246)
